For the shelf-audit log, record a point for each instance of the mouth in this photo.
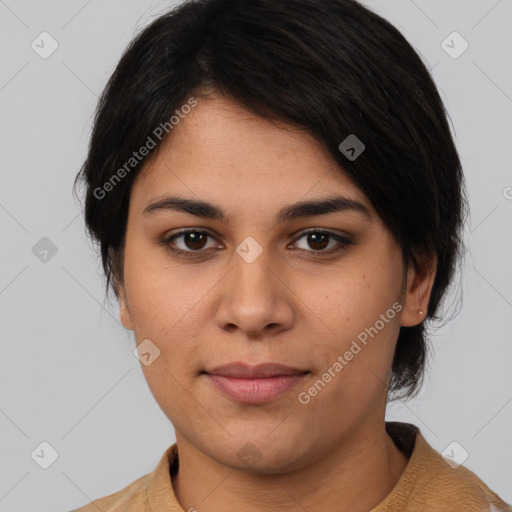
(254, 384)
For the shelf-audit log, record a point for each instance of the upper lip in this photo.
(246, 371)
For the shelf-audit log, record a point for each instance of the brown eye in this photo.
(194, 240)
(318, 241)
(191, 242)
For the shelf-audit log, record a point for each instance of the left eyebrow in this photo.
(302, 209)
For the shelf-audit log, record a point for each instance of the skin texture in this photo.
(291, 305)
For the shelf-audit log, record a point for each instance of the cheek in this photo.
(173, 324)
(173, 393)
(163, 299)
(350, 300)
(358, 318)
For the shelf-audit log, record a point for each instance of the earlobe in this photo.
(417, 296)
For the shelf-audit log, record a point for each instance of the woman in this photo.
(279, 205)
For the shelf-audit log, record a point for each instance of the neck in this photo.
(356, 475)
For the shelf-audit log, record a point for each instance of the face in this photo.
(249, 284)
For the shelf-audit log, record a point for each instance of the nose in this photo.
(255, 298)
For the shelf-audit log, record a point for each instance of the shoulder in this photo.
(451, 488)
(432, 482)
(142, 494)
(132, 498)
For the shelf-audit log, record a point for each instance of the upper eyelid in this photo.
(321, 230)
(296, 236)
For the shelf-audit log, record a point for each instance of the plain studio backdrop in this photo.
(70, 385)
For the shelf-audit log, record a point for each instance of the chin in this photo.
(259, 455)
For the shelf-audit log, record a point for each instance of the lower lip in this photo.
(255, 391)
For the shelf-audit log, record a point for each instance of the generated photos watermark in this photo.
(305, 397)
(137, 156)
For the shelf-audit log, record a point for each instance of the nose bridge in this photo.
(252, 296)
(253, 274)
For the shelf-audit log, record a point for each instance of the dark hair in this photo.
(330, 67)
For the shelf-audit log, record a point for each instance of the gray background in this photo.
(68, 375)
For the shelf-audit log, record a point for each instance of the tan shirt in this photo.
(428, 484)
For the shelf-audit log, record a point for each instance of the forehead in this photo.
(228, 155)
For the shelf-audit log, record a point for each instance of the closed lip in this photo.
(243, 370)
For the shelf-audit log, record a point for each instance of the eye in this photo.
(319, 240)
(194, 241)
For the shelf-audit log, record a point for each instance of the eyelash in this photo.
(343, 243)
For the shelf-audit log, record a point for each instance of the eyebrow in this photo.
(301, 209)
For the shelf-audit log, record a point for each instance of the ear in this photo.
(417, 294)
(124, 311)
